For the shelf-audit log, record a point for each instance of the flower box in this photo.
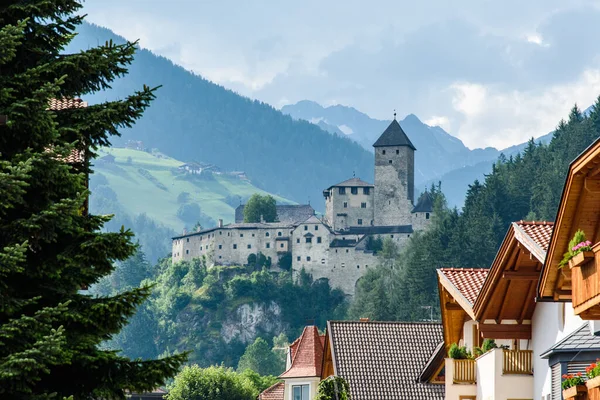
(578, 392)
(593, 386)
(581, 259)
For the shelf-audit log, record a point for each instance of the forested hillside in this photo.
(527, 186)
(193, 119)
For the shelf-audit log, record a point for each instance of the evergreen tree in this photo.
(260, 358)
(50, 248)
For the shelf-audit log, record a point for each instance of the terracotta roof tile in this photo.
(308, 356)
(468, 281)
(274, 392)
(540, 232)
(383, 360)
(65, 103)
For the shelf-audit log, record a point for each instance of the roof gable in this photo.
(308, 355)
(393, 136)
(464, 283)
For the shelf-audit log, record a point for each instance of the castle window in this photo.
(281, 245)
(308, 240)
(342, 190)
(267, 234)
(319, 239)
(407, 235)
(227, 233)
(220, 233)
(278, 233)
(249, 246)
(345, 204)
(307, 258)
(220, 246)
(298, 258)
(383, 152)
(219, 257)
(187, 252)
(390, 161)
(360, 221)
(200, 248)
(336, 250)
(322, 261)
(253, 235)
(363, 205)
(235, 246)
(268, 245)
(392, 236)
(366, 190)
(298, 240)
(354, 190)
(347, 250)
(188, 239)
(305, 227)
(397, 151)
(366, 266)
(426, 215)
(358, 266)
(316, 227)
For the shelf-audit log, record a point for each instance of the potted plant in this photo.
(580, 251)
(573, 387)
(593, 383)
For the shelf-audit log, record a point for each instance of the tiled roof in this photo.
(274, 392)
(352, 182)
(424, 204)
(581, 339)
(241, 226)
(394, 136)
(383, 360)
(288, 214)
(371, 230)
(467, 281)
(63, 104)
(540, 232)
(343, 243)
(308, 356)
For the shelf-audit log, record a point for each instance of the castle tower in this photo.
(394, 177)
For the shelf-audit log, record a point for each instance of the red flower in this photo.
(579, 374)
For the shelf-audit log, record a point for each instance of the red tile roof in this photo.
(274, 392)
(467, 281)
(65, 103)
(308, 356)
(540, 232)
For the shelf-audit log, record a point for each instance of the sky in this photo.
(492, 73)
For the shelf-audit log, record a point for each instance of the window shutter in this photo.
(575, 367)
(556, 381)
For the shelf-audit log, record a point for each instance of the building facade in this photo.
(338, 245)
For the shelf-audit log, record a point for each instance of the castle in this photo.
(335, 246)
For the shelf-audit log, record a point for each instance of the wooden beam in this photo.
(521, 275)
(502, 302)
(505, 331)
(453, 307)
(530, 295)
(592, 185)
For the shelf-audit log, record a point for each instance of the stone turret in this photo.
(394, 177)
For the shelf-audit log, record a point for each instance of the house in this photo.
(193, 168)
(386, 360)
(303, 369)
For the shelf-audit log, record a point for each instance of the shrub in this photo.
(285, 261)
(458, 352)
(488, 344)
(333, 388)
(577, 245)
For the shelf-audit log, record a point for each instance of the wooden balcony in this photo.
(464, 372)
(517, 362)
(585, 282)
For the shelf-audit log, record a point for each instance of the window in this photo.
(319, 239)
(360, 221)
(241, 235)
(253, 235)
(220, 246)
(382, 151)
(308, 240)
(342, 190)
(278, 233)
(267, 234)
(390, 161)
(426, 215)
(281, 245)
(268, 245)
(358, 266)
(300, 392)
(363, 205)
(346, 250)
(316, 227)
(366, 190)
(201, 248)
(249, 246)
(307, 258)
(397, 151)
(298, 258)
(322, 261)
(305, 227)
(188, 239)
(187, 252)
(392, 236)
(345, 204)
(220, 233)
(298, 240)
(354, 190)
(235, 246)
(227, 233)
(220, 257)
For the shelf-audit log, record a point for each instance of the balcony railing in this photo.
(517, 362)
(464, 371)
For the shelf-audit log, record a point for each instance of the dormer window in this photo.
(366, 190)
(301, 392)
(354, 190)
(342, 190)
(426, 215)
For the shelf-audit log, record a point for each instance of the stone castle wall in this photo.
(345, 210)
(394, 185)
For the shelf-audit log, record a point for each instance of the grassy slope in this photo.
(139, 195)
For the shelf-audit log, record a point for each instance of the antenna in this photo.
(430, 313)
(394, 114)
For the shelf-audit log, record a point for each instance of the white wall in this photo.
(454, 391)
(549, 327)
(492, 384)
(313, 382)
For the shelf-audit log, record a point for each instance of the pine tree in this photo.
(50, 248)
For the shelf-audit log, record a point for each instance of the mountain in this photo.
(194, 119)
(438, 152)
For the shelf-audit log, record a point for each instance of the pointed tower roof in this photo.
(393, 136)
(308, 355)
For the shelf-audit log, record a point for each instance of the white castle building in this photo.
(335, 246)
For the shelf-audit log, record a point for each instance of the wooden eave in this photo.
(579, 209)
(453, 314)
(508, 292)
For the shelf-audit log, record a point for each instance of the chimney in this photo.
(198, 228)
(262, 219)
(184, 231)
(220, 222)
(364, 320)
